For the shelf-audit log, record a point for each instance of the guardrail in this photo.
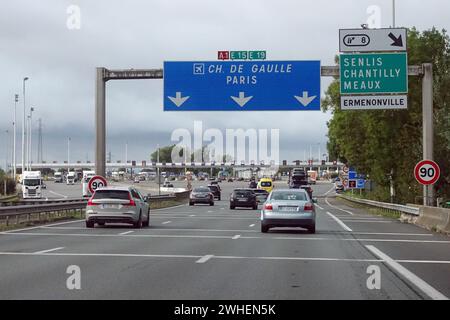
(384, 205)
(21, 202)
(13, 214)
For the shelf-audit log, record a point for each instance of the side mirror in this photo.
(314, 200)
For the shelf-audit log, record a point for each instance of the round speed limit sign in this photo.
(427, 172)
(96, 182)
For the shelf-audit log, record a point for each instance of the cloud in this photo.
(142, 34)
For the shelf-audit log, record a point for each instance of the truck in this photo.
(58, 177)
(31, 185)
(87, 175)
(312, 176)
(71, 177)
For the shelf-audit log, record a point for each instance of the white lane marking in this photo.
(418, 282)
(367, 221)
(222, 208)
(58, 194)
(201, 259)
(394, 234)
(210, 211)
(349, 212)
(205, 217)
(221, 237)
(204, 258)
(218, 257)
(169, 208)
(125, 233)
(343, 225)
(318, 206)
(166, 222)
(252, 225)
(236, 237)
(192, 215)
(43, 226)
(49, 250)
(332, 188)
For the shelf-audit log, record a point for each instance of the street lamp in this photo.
(68, 151)
(30, 127)
(23, 127)
(16, 99)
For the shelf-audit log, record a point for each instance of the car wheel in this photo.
(232, 207)
(191, 203)
(312, 229)
(219, 198)
(138, 224)
(255, 207)
(211, 203)
(147, 223)
(89, 224)
(264, 228)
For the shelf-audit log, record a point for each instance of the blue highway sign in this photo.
(360, 183)
(242, 85)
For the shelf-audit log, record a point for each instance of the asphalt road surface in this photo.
(204, 252)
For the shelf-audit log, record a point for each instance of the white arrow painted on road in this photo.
(305, 100)
(242, 100)
(178, 100)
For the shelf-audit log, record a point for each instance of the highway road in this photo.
(204, 252)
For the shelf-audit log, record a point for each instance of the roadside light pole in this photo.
(23, 126)
(158, 171)
(68, 151)
(30, 130)
(16, 99)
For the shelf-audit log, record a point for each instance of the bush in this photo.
(10, 186)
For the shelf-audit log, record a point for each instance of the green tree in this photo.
(378, 141)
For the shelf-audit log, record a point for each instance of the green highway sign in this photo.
(257, 55)
(238, 55)
(363, 73)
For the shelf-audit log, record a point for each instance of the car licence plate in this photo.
(288, 209)
(110, 206)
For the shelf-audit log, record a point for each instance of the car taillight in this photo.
(308, 207)
(90, 203)
(268, 207)
(131, 203)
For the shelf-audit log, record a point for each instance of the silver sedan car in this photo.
(118, 205)
(288, 208)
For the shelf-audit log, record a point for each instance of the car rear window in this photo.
(245, 193)
(266, 184)
(111, 194)
(298, 196)
(201, 190)
(213, 188)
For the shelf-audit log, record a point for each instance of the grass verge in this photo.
(372, 210)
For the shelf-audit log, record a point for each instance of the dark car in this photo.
(308, 189)
(201, 195)
(252, 184)
(243, 198)
(261, 195)
(298, 180)
(215, 190)
(230, 180)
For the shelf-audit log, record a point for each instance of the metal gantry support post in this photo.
(103, 75)
(427, 115)
(100, 123)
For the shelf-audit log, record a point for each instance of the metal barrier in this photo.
(384, 205)
(13, 213)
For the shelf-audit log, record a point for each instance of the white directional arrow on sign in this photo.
(178, 100)
(242, 100)
(305, 100)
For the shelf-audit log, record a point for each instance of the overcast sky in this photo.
(35, 42)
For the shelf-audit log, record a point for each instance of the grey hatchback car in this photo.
(118, 205)
(288, 208)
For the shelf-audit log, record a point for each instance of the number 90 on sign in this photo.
(427, 172)
(96, 182)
